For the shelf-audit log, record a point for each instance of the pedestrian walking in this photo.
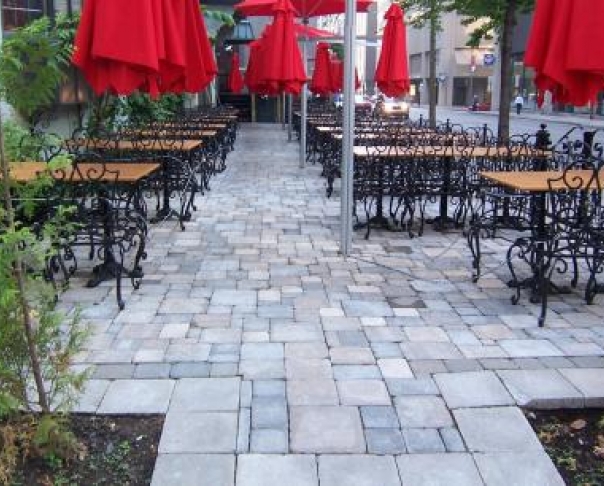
(519, 102)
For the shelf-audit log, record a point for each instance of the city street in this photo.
(527, 122)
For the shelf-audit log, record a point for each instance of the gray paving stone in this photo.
(326, 430)
(152, 370)
(188, 352)
(244, 430)
(196, 432)
(312, 392)
(363, 392)
(137, 396)
(426, 367)
(497, 429)
(354, 355)
(395, 368)
(90, 398)
(261, 351)
(308, 369)
(269, 441)
(541, 389)
(439, 470)
(233, 297)
(360, 470)
(518, 468)
(113, 371)
(270, 470)
(472, 389)
(269, 388)
(452, 440)
(190, 370)
(206, 394)
(269, 413)
(422, 412)
(425, 350)
(418, 386)
(461, 365)
(361, 308)
(590, 382)
(356, 372)
(385, 441)
(529, 348)
(256, 369)
(194, 470)
(306, 350)
(423, 441)
(379, 417)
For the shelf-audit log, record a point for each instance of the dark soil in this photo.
(120, 450)
(574, 439)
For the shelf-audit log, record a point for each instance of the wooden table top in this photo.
(122, 172)
(170, 134)
(546, 181)
(146, 145)
(448, 151)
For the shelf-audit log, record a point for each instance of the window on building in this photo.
(17, 13)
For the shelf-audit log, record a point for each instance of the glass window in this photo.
(17, 13)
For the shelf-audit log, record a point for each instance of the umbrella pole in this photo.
(290, 116)
(347, 196)
(304, 102)
(283, 110)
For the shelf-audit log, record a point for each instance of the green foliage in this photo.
(493, 12)
(109, 112)
(223, 17)
(33, 61)
(22, 144)
(419, 13)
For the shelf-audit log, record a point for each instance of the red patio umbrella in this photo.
(320, 83)
(303, 30)
(255, 75)
(566, 48)
(235, 81)
(303, 8)
(148, 45)
(392, 73)
(337, 75)
(283, 68)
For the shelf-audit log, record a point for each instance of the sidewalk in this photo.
(277, 362)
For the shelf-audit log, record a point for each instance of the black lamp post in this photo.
(242, 34)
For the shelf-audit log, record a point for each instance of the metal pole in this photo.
(303, 102)
(348, 129)
(290, 116)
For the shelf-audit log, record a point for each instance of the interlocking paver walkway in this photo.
(280, 362)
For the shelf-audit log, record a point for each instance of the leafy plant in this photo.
(33, 62)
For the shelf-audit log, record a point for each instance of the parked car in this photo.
(393, 107)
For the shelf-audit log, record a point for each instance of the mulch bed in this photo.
(121, 450)
(574, 439)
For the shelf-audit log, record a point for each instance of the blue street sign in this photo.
(488, 59)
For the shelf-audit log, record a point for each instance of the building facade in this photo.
(464, 74)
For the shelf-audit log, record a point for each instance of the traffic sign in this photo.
(488, 59)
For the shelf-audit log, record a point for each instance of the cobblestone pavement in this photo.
(279, 362)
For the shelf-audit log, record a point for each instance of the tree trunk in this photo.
(28, 324)
(505, 95)
(432, 68)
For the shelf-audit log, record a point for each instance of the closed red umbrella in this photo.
(566, 48)
(320, 83)
(115, 45)
(392, 73)
(147, 45)
(283, 68)
(337, 75)
(235, 82)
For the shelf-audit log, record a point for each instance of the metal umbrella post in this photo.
(346, 198)
(303, 102)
